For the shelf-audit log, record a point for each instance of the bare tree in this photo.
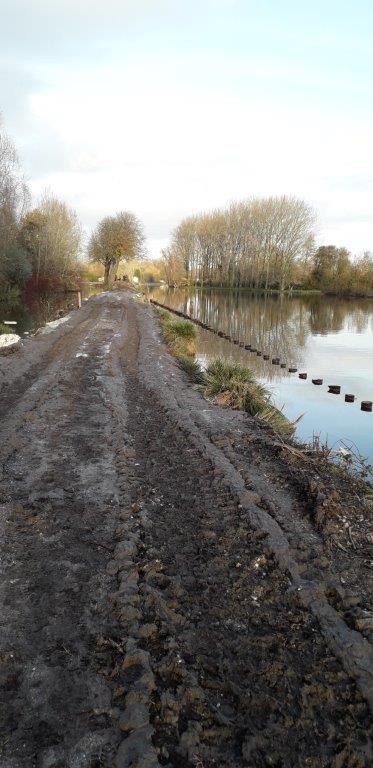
(173, 267)
(51, 236)
(116, 238)
(14, 199)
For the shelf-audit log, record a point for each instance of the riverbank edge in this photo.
(327, 499)
(357, 474)
(288, 292)
(230, 385)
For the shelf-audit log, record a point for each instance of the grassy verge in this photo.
(226, 383)
(180, 335)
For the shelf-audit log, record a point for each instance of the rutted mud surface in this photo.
(166, 597)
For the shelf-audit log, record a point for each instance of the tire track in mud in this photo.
(43, 353)
(149, 621)
(242, 673)
(60, 508)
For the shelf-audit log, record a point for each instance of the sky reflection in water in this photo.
(327, 337)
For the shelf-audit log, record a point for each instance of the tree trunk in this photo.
(109, 274)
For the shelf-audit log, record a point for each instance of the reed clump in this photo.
(235, 386)
(192, 368)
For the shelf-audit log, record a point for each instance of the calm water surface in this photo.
(328, 338)
(34, 310)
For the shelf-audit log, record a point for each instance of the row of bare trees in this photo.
(41, 242)
(259, 243)
(44, 243)
(262, 243)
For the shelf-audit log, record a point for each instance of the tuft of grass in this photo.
(163, 314)
(5, 328)
(182, 329)
(276, 419)
(192, 368)
(180, 335)
(227, 377)
(233, 385)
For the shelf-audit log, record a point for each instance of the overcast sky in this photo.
(168, 107)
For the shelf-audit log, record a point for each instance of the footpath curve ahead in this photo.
(165, 598)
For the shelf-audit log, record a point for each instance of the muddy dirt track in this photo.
(170, 594)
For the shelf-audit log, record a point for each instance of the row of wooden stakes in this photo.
(334, 389)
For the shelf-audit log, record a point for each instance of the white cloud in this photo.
(167, 133)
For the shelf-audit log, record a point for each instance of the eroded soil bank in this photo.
(176, 589)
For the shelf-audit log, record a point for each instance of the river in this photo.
(326, 337)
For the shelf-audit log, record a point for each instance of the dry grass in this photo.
(233, 385)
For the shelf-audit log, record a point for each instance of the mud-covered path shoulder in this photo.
(60, 504)
(155, 605)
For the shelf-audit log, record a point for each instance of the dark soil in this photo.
(176, 589)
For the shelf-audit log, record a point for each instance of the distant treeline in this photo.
(38, 245)
(262, 243)
(266, 244)
(41, 246)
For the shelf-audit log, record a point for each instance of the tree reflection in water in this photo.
(275, 324)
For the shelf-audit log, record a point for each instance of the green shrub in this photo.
(5, 329)
(9, 296)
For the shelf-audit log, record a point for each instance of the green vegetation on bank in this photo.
(180, 335)
(227, 383)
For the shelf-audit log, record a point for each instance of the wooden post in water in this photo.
(366, 405)
(335, 389)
